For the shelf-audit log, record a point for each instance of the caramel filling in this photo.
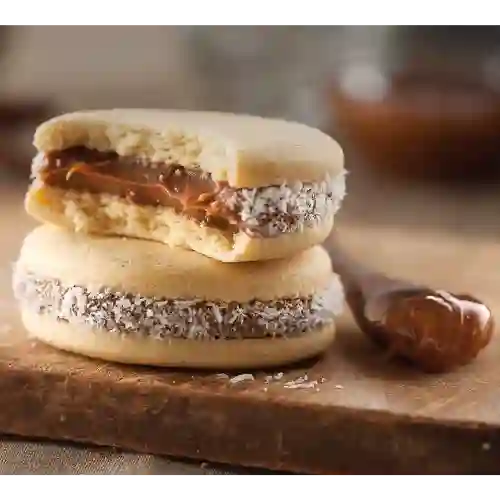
(191, 192)
(267, 211)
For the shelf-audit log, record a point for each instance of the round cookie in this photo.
(141, 302)
(233, 187)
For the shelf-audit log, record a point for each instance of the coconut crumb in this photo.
(486, 446)
(303, 382)
(301, 385)
(269, 378)
(243, 377)
(338, 386)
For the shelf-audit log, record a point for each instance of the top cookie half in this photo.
(232, 187)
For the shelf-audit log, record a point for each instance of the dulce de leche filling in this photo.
(191, 192)
(266, 211)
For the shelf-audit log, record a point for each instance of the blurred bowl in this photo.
(419, 124)
(422, 121)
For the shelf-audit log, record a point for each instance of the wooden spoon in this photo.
(436, 330)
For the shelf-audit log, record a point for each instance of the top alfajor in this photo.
(231, 187)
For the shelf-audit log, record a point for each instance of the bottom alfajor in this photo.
(141, 302)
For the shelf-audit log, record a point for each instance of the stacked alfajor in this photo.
(181, 238)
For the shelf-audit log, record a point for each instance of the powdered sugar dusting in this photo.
(159, 318)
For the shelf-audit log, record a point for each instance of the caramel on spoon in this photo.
(436, 330)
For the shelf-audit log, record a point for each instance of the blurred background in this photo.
(417, 110)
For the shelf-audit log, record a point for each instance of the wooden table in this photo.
(462, 256)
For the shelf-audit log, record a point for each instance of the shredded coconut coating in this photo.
(193, 319)
(274, 210)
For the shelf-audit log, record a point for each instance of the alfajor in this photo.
(231, 187)
(141, 302)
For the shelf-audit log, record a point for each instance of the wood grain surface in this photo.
(365, 416)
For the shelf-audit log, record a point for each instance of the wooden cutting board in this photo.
(363, 416)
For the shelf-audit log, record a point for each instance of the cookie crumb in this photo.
(269, 378)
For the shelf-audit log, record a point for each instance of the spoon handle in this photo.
(354, 275)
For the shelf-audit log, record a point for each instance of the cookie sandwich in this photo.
(234, 188)
(142, 302)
